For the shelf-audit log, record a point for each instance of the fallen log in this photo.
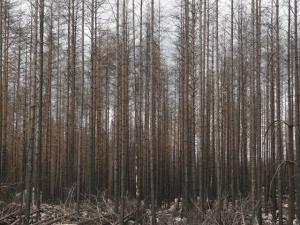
(125, 219)
(87, 221)
(51, 221)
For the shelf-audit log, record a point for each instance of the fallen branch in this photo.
(15, 222)
(124, 219)
(9, 215)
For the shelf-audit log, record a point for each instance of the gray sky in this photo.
(168, 9)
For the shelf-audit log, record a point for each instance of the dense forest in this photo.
(150, 104)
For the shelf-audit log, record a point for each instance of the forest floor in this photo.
(102, 211)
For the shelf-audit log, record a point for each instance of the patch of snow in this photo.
(130, 222)
(177, 219)
(84, 214)
(172, 208)
(43, 215)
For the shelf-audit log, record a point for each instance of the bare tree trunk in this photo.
(231, 114)
(139, 91)
(59, 173)
(290, 150)
(253, 114)
(33, 73)
(185, 108)
(118, 119)
(81, 111)
(192, 123)
(40, 112)
(153, 116)
(278, 112)
(47, 172)
(25, 126)
(297, 109)
(5, 96)
(272, 109)
(73, 95)
(91, 169)
(218, 139)
(1, 87)
(15, 118)
(258, 110)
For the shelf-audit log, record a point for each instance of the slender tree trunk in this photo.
(33, 73)
(40, 111)
(1, 87)
(117, 149)
(47, 186)
(297, 109)
(253, 114)
(258, 110)
(5, 93)
(278, 112)
(290, 150)
(218, 139)
(81, 111)
(91, 179)
(153, 117)
(272, 109)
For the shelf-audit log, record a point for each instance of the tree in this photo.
(82, 109)
(297, 108)
(33, 73)
(1, 78)
(153, 114)
(40, 112)
(4, 89)
(278, 112)
(290, 151)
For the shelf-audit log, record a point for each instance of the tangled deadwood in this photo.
(100, 210)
